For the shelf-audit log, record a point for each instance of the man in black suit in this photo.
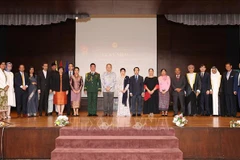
(193, 89)
(136, 92)
(53, 72)
(21, 82)
(205, 91)
(44, 89)
(178, 83)
(228, 79)
(70, 73)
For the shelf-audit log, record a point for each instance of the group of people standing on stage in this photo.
(195, 92)
(34, 93)
(206, 93)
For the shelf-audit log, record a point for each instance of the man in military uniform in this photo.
(92, 87)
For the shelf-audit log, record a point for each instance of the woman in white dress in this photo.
(215, 82)
(11, 92)
(123, 94)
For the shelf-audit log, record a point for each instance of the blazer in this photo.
(228, 84)
(56, 85)
(42, 82)
(52, 74)
(205, 82)
(136, 87)
(236, 83)
(196, 85)
(18, 81)
(178, 83)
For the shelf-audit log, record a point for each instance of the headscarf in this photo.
(6, 69)
(215, 77)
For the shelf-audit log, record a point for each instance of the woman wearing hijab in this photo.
(215, 82)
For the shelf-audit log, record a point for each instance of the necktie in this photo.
(23, 79)
(202, 74)
(136, 77)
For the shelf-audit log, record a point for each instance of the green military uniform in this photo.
(92, 86)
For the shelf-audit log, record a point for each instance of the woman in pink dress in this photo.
(76, 83)
(164, 85)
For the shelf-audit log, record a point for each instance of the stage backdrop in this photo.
(123, 42)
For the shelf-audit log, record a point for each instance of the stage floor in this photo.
(143, 121)
(202, 138)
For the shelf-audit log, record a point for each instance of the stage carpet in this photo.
(202, 138)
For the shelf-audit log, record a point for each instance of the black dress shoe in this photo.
(139, 115)
(89, 115)
(95, 115)
(105, 115)
(133, 115)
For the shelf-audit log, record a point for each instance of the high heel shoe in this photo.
(166, 113)
(163, 113)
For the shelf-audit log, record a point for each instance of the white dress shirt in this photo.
(45, 74)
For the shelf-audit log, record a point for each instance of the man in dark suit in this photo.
(44, 89)
(53, 72)
(237, 88)
(21, 82)
(205, 91)
(70, 73)
(228, 79)
(136, 92)
(193, 89)
(178, 83)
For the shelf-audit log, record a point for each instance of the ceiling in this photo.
(119, 7)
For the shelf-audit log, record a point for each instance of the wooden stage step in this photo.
(126, 144)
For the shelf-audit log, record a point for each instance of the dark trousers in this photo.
(108, 98)
(181, 98)
(92, 102)
(21, 99)
(222, 105)
(68, 105)
(136, 105)
(239, 97)
(191, 102)
(204, 103)
(231, 106)
(43, 103)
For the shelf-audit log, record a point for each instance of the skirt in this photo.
(164, 101)
(60, 98)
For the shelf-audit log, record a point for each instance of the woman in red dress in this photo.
(60, 90)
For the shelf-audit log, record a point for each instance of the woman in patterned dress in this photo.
(76, 84)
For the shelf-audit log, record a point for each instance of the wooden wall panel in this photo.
(180, 45)
(33, 45)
